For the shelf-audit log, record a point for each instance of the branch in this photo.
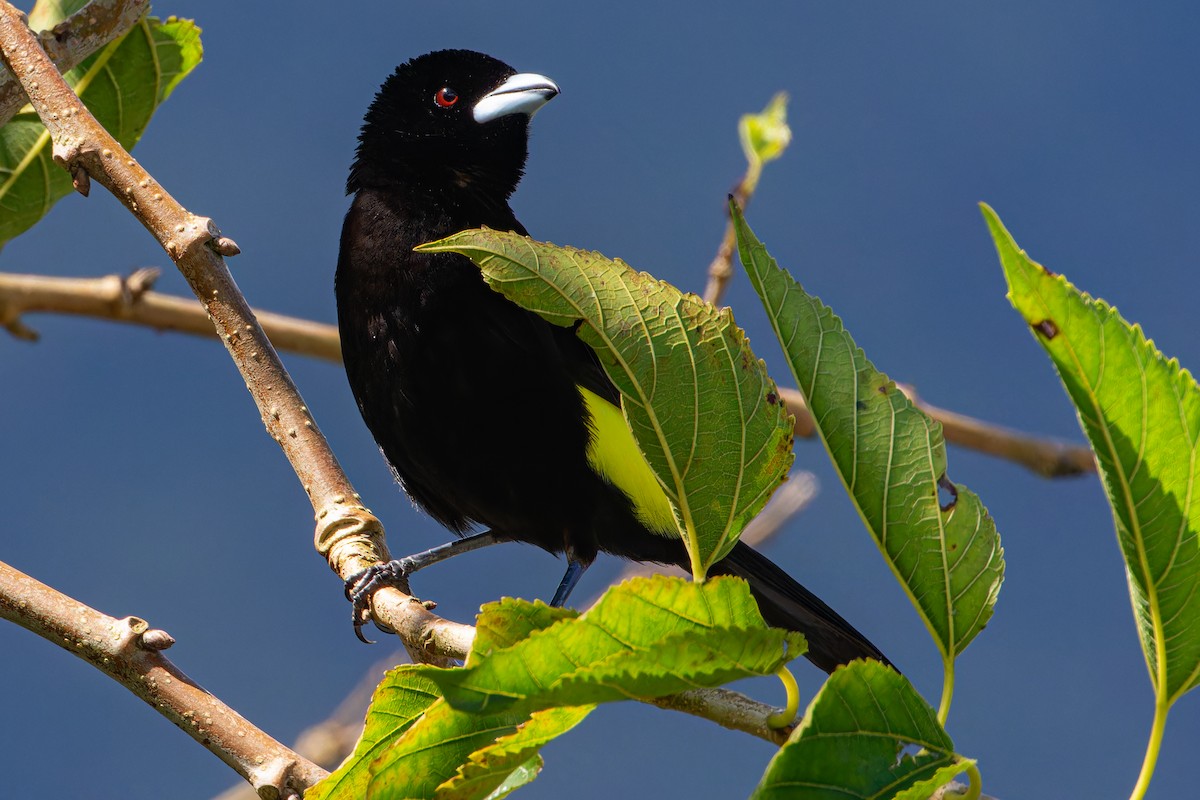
(73, 40)
(347, 534)
(130, 300)
(729, 709)
(1049, 458)
(720, 271)
(330, 741)
(129, 652)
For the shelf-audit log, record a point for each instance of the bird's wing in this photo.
(578, 357)
(584, 365)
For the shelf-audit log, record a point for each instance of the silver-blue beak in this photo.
(523, 93)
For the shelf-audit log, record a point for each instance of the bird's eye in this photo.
(445, 97)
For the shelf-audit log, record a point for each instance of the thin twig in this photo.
(130, 652)
(73, 40)
(720, 271)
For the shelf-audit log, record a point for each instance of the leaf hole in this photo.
(947, 493)
(907, 751)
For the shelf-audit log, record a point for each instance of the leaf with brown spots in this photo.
(695, 396)
(1141, 412)
(891, 458)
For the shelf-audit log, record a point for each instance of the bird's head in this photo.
(453, 118)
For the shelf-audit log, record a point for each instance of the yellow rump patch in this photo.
(616, 457)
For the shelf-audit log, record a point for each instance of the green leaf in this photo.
(508, 621)
(432, 752)
(517, 778)
(892, 460)
(48, 13)
(415, 745)
(1141, 413)
(511, 761)
(851, 742)
(122, 85)
(700, 404)
(536, 672)
(645, 638)
(398, 702)
(925, 788)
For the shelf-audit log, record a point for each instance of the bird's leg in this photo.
(575, 570)
(362, 585)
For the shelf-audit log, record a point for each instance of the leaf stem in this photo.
(975, 780)
(1161, 707)
(947, 691)
(786, 715)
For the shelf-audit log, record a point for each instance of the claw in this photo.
(361, 587)
(358, 626)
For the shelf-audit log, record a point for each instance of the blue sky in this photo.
(136, 475)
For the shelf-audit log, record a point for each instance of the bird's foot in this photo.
(362, 586)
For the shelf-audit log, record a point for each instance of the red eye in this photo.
(445, 97)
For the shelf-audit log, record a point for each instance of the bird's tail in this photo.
(784, 603)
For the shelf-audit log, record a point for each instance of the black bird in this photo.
(488, 414)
